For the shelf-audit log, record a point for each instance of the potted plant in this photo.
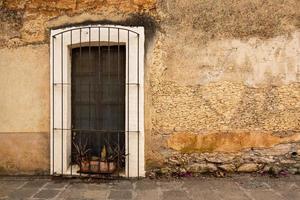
(111, 157)
(81, 156)
(107, 161)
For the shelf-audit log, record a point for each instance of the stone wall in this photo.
(222, 81)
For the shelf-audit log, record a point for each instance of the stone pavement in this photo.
(238, 187)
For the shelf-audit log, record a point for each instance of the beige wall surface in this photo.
(24, 153)
(25, 89)
(215, 71)
(24, 105)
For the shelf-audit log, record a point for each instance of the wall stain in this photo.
(225, 142)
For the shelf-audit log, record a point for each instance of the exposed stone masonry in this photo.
(279, 160)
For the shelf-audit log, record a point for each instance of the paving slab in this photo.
(254, 184)
(147, 195)
(95, 194)
(23, 193)
(46, 194)
(122, 185)
(175, 195)
(197, 184)
(204, 194)
(35, 183)
(291, 195)
(146, 185)
(282, 184)
(232, 195)
(56, 185)
(72, 193)
(121, 194)
(263, 195)
(169, 185)
(242, 187)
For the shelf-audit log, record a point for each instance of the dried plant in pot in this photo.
(107, 164)
(112, 157)
(81, 156)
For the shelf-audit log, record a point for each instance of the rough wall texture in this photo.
(222, 87)
(225, 90)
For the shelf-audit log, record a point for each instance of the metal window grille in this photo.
(98, 86)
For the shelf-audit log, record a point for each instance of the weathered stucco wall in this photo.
(24, 127)
(226, 86)
(222, 88)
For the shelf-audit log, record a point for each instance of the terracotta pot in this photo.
(107, 167)
(85, 166)
(94, 166)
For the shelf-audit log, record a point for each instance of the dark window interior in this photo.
(98, 96)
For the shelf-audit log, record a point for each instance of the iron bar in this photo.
(90, 26)
(109, 74)
(97, 83)
(80, 164)
(53, 102)
(71, 42)
(118, 164)
(133, 84)
(89, 140)
(62, 105)
(89, 62)
(90, 68)
(138, 105)
(99, 50)
(92, 130)
(80, 66)
(128, 81)
(108, 41)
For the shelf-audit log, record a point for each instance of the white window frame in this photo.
(60, 142)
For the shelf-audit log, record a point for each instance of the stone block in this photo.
(227, 167)
(248, 167)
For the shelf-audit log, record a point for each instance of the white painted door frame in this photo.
(60, 90)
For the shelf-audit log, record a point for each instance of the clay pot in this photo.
(107, 167)
(94, 166)
(85, 166)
